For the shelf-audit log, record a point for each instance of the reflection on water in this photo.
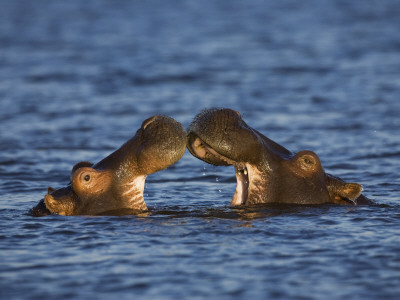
(77, 79)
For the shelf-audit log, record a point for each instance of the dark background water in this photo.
(77, 78)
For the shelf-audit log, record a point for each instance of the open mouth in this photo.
(242, 170)
(242, 186)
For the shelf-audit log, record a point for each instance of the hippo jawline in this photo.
(245, 172)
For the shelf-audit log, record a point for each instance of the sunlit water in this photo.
(77, 78)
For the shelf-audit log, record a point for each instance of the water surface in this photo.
(77, 78)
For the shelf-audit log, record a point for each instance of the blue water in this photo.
(77, 78)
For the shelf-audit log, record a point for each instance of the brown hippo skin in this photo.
(116, 183)
(265, 171)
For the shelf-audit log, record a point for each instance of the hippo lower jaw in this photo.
(242, 186)
(250, 183)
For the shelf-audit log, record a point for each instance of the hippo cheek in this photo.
(303, 180)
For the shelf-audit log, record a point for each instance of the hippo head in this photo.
(116, 183)
(265, 171)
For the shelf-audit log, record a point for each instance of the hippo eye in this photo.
(87, 177)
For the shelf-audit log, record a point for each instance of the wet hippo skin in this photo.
(116, 183)
(265, 171)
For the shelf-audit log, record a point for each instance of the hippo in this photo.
(116, 183)
(266, 172)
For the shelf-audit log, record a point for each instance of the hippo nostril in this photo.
(87, 177)
(307, 161)
(148, 121)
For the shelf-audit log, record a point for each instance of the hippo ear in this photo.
(50, 190)
(341, 192)
(148, 121)
(351, 191)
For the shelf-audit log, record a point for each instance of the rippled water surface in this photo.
(77, 78)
